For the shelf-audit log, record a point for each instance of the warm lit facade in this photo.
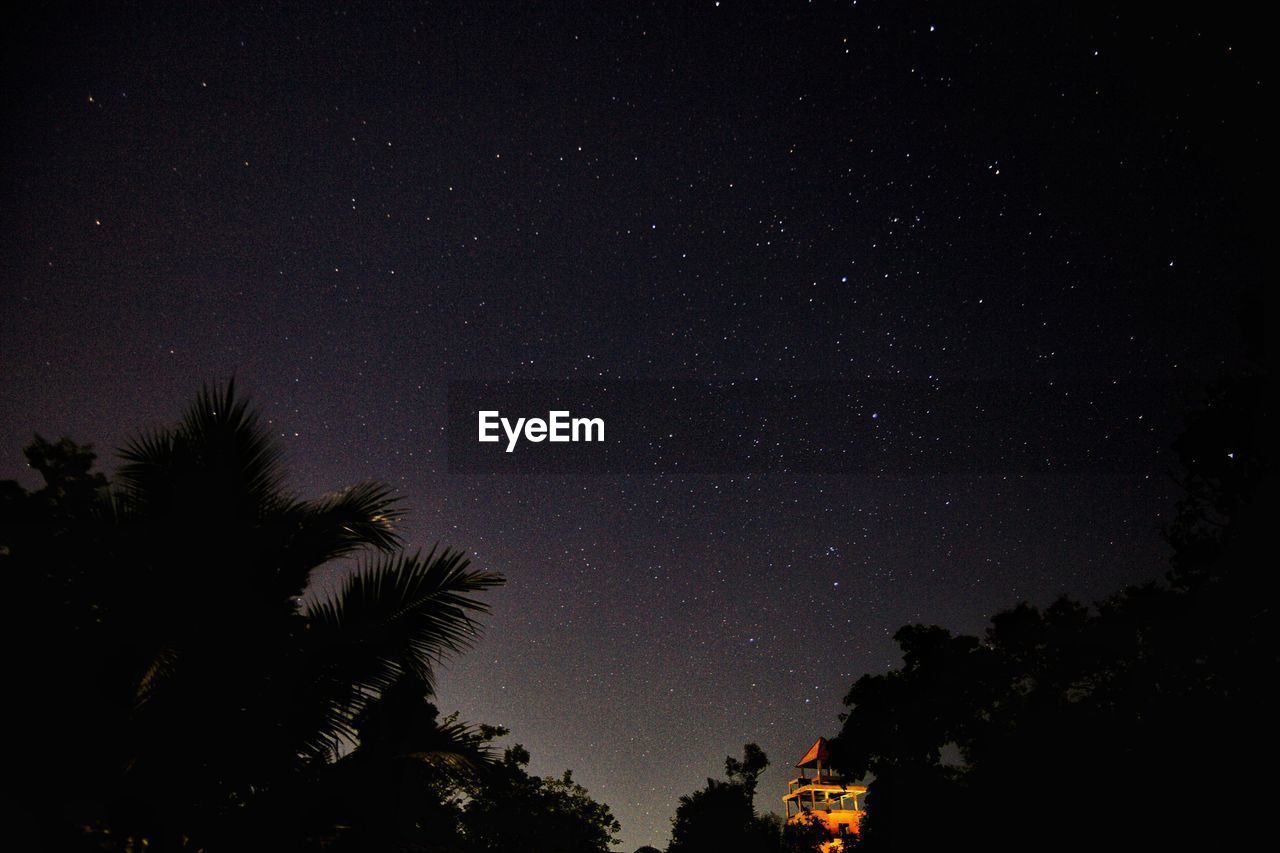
(824, 795)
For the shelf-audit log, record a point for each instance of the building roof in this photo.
(818, 753)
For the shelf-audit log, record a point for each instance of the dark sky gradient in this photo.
(349, 206)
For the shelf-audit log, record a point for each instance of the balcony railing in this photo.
(804, 781)
(845, 805)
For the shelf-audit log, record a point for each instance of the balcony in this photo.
(799, 805)
(807, 781)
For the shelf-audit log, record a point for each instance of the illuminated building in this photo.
(824, 795)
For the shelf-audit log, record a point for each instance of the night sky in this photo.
(349, 207)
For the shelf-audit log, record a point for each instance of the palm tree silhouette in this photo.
(226, 697)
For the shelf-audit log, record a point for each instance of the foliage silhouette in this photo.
(175, 687)
(806, 834)
(510, 811)
(723, 816)
(1139, 721)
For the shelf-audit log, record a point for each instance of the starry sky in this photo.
(349, 206)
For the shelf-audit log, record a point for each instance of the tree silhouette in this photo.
(175, 686)
(806, 833)
(722, 815)
(1138, 722)
(509, 811)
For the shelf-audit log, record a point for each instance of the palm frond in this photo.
(308, 534)
(403, 724)
(161, 667)
(455, 746)
(359, 516)
(219, 455)
(149, 461)
(395, 618)
(228, 436)
(400, 614)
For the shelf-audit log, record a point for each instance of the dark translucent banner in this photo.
(863, 427)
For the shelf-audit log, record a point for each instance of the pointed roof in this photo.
(819, 752)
